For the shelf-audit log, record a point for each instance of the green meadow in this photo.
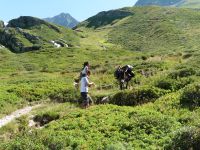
(160, 110)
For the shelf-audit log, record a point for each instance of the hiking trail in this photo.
(7, 119)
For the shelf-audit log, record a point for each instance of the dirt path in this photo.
(5, 120)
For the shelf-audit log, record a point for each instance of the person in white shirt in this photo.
(85, 84)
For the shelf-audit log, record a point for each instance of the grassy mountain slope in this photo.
(29, 33)
(105, 18)
(160, 28)
(151, 29)
(176, 3)
(159, 111)
(190, 4)
(158, 2)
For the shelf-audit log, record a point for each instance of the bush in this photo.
(24, 143)
(144, 57)
(45, 118)
(172, 84)
(191, 96)
(68, 95)
(183, 72)
(166, 84)
(186, 56)
(137, 96)
(182, 82)
(116, 146)
(36, 90)
(23, 123)
(185, 139)
(30, 67)
(103, 127)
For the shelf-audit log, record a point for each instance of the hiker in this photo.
(124, 75)
(85, 84)
(83, 73)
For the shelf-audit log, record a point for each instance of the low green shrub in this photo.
(46, 117)
(68, 95)
(137, 96)
(186, 56)
(182, 82)
(36, 90)
(30, 67)
(23, 123)
(187, 138)
(9, 102)
(102, 127)
(191, 95)
(167, 83)
(144, 57)
(182, 72)
(24, 143)
(116, 146)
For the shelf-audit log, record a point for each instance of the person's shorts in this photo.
(85, 98)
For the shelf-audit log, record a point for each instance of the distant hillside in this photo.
(28, 33)
(158, 2)
(105, 18)
(149, 28)
(63, 19)
(176, 3)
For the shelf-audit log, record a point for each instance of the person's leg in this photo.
(85, 99)
(87, 103)
(90, 100)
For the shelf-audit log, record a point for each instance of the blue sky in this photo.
(79, 9)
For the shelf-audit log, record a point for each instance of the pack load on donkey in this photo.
(124, 75)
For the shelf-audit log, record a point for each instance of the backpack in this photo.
(117, 73)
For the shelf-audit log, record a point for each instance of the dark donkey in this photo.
(124, 75)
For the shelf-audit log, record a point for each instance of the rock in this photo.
(56, 44)
(1, 46)
(105, 100)
(59, 43)
(34, 39)
(2, 24)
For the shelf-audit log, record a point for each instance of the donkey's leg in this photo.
(127, 85)
(121, 85)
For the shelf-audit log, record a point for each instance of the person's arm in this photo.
(89, 83)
